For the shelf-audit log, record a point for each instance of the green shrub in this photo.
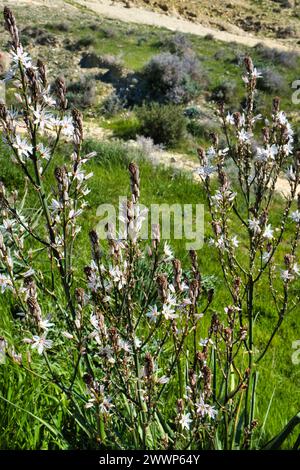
(165, 124)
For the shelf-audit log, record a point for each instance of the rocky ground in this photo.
(272, 18)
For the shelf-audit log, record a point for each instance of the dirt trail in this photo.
(115, 10)
(180, 162)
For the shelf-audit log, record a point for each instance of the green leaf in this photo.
(278, 440)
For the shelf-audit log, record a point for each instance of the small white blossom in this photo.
(254, 226)
(163, 380)
(66, 125)
(244, 136)
(266, 154)
(40, 343)
(268, 232)
(67, 335)
(286, 275)
(45, 324)
(168, 251)
(185, 421)
(204, 409)
(43, 151)
(5, 283)
(153, 314)
(295, 216)
(21, 57)
(169, 312)
(22, 146)
(230, 119)
(235, 242)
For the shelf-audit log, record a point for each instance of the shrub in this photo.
(271, 81)
(112, 105)
(82, 93)
(286, 58)
(202, 128)
(286, 32)
(39, 36)
(89, 60)
(192, 112)
(82, 43)
(165, 124)
(172, 78)
(111, 62)
(126, 128)
(178, 44)
(224, 93)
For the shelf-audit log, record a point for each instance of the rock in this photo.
(163, 7)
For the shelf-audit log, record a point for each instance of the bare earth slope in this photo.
(141, 15)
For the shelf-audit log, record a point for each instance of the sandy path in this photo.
(116, 10)
(180, 162)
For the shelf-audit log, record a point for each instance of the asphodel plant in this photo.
(134, 344)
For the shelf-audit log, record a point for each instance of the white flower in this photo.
(55, 206)
(244, 136)
(137, 342)
(288, 148)
(67, 335)
(66, 125)
(205, 171)
(282, 119)
(5, 283)
(266, 256)
(90, 403)
(117, 276)
(204, 409)
(286, 275)
(41, 343)
(256, 73)
(153, 314)
(163, 380)
(296, 269)
(169, 312)
(295, 216)
(230, 119)
(220, 243)
(268, 232)
(43, 151)
(42, 118)
(205, 341)
(125, 346)
(21, 57)
(168, 251)
(290, 174)
(211, 153)
(22, 146)
(45, 324)
(29, 272)
(185, 421)
(268, 153)
(254, 226)
(106, 405)
(47, 98)
(235, 242)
